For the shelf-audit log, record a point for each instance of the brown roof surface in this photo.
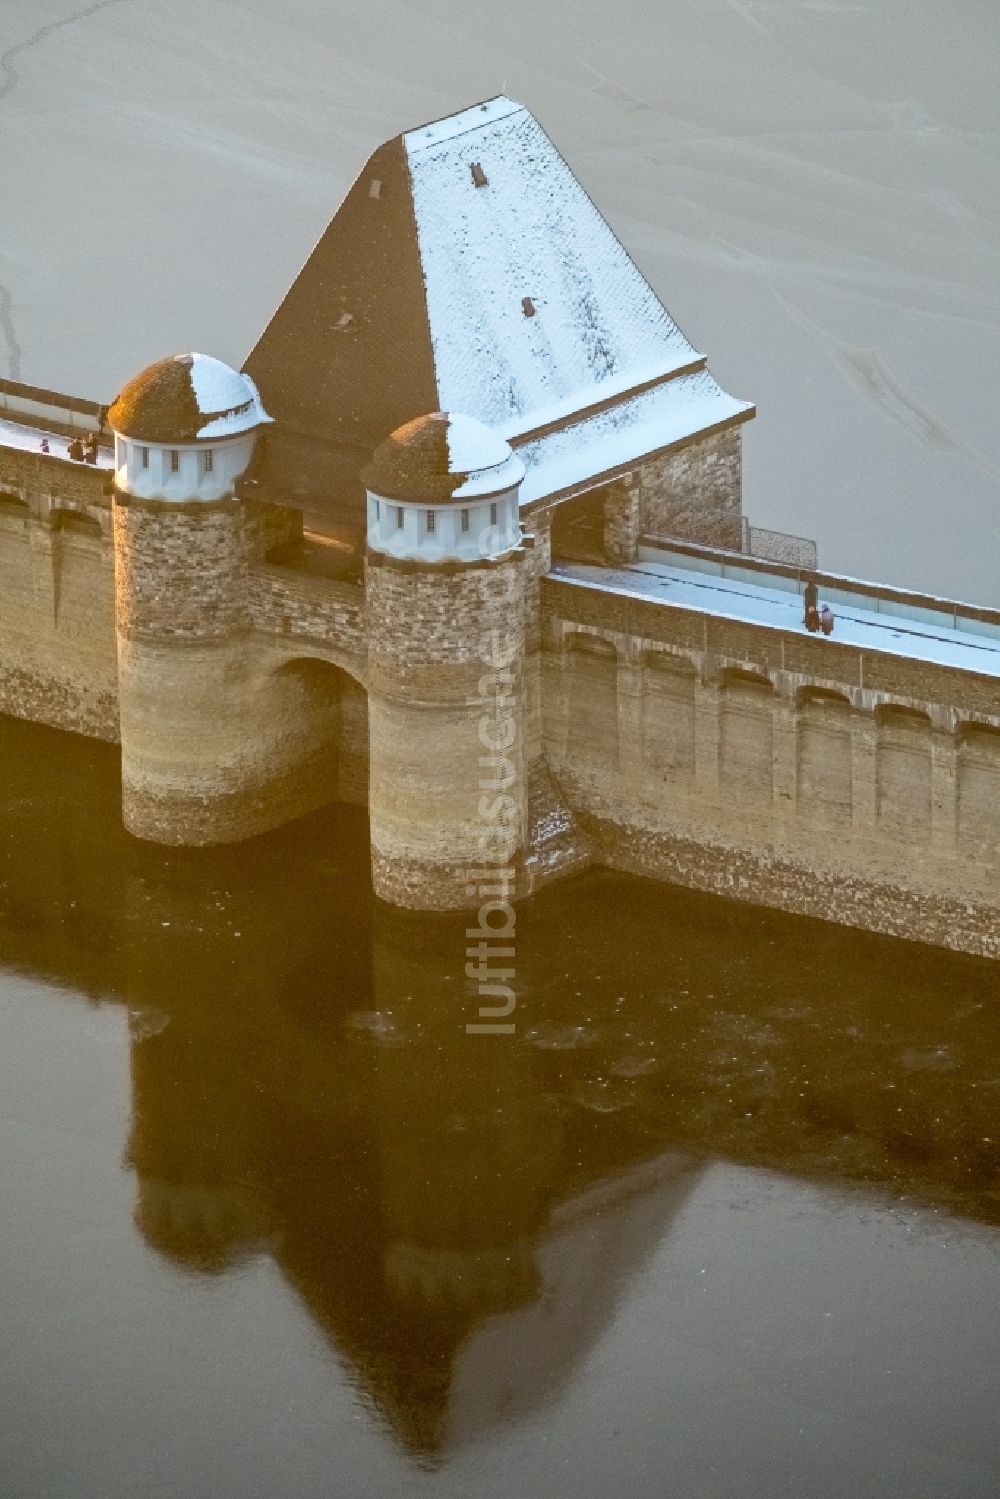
(159, 404)
(347, 356)
(416, 463)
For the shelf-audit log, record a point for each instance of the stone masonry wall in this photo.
(225, 733)
(429, 700)
(803, 774)
(232, 721)
(57, 636)
(695, 492)
(761, 763)
(44, 481)
(426, 624)
(181, 570)
(295, 605)
(555, 843)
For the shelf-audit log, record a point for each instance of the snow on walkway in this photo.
(735, 598)
(29, 440)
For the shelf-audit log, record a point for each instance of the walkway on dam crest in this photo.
(29, 440)
(975, 647)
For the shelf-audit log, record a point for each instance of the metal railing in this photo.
(779, 546)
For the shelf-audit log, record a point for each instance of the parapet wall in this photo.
(52, 408)
(805, 774)
(44, 482)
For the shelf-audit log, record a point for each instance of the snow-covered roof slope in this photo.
(467, 270)
(530, 297)
(625, 433)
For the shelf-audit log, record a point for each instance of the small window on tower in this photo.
(465, 520)
(378, 509)
(145, 457)
(430, 520)
(493, 514)
(527, 307)
(399, 517)
(175, 461)
(209, 458)
(375, 188)
(479, 177)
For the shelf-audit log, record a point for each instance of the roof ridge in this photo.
(432, 128)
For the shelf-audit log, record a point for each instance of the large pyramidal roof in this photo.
(468, 271)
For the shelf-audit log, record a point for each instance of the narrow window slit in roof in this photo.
(479, 177)
(375, 188)
(527, 307)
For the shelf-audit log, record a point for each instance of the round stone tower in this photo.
(445, 608)
(185, 430)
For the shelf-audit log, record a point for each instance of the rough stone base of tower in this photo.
(220, 739)
(447, 727)
(213, 751)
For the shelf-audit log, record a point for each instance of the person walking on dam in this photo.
(811, 607)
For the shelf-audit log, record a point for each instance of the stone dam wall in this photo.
(751, 760)
(777, 768)
(58, 662)
(234, 686)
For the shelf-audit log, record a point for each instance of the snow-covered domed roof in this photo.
(187, 398)
(442, 457)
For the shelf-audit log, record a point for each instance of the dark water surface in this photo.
(720, 1219)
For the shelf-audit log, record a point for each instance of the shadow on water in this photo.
(457, 1212)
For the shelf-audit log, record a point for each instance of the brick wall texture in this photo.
(181, 570)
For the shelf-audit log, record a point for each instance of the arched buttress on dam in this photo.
(979, 788)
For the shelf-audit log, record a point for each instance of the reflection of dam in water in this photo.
(460, 1214)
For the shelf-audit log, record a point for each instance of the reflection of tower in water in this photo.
(404, 1176)
(459, 1212)
(466, 1139)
